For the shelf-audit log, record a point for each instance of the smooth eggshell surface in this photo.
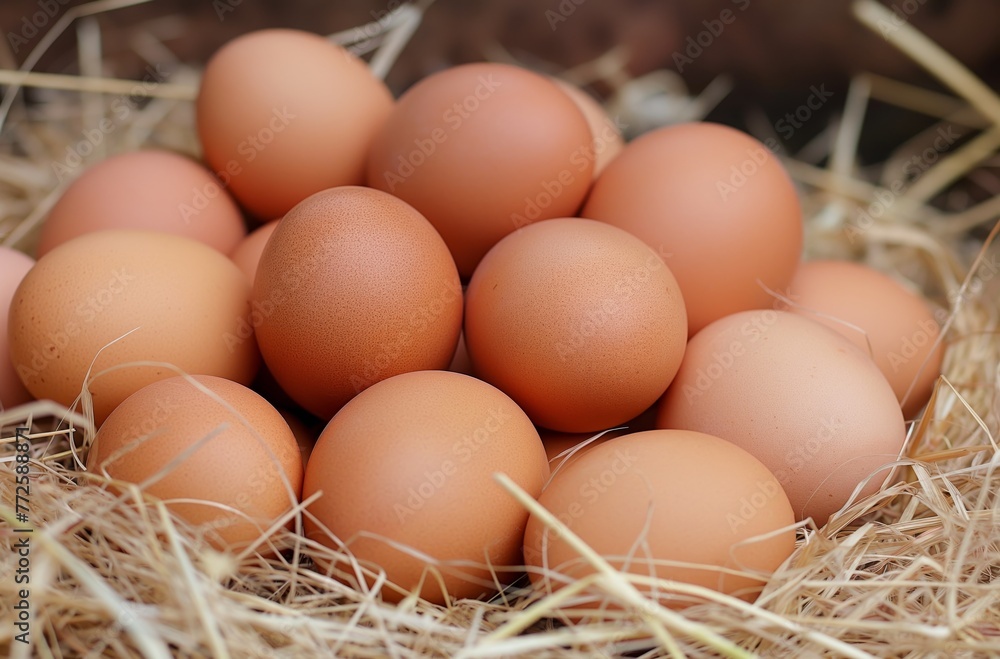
(482, 149)
(154, 190)
(799, 397)
(283, 114)
(412, 459)
(578, 321)
(899, 325)
(665, 495)
(246, 457)
(717, 204)
(186, 303)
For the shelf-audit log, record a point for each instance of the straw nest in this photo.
(906, 572)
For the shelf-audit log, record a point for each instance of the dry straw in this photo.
(907, 572)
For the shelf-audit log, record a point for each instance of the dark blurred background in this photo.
(776, 51)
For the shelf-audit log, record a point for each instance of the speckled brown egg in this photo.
(150, 189)
(221, 456)
(178, 301)
(354, 286)
(796, 395)
(893, 325)
(717, 204)
(578, 321)
(481, 150)
(283, 114)
(411, 461)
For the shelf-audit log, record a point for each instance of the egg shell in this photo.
(717, 204)
(559, 445)
(891, 324)
(354, 286)
(578, 321)
(246, 254)
(607, 137)
(14, 265)
(482, 149)
(801, 398)
(186, 303)
(664, 495)
(282, 114)
(411, 459)
(153, 190)
(201, 448)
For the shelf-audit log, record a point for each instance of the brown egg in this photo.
(283, 114)
(154, 190)
(481, 150)
(578, 321)
(799, 397)
(186, 303)
(247, 253)
(353, 287)
(665, 495)
(411, 461)
(14, 266)
(892, 325)
(717, 204)
(223, 459)
(608, 141)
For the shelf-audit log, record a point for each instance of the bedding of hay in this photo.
(907, 572)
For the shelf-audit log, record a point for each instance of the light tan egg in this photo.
(283, 114)
(113, 298)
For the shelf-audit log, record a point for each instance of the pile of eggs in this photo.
(463, 282)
